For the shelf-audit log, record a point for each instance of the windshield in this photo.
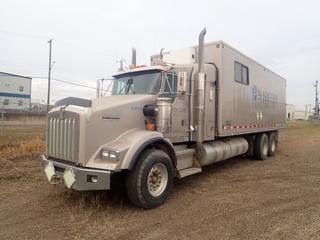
(146, 82)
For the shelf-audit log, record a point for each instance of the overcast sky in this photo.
(90, 36)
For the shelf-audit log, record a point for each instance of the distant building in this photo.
(290, 109)
(15, 92)
(302, 115)
(294, 114)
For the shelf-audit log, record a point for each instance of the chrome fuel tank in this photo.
(223, 149)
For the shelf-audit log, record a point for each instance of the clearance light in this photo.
(137, 66)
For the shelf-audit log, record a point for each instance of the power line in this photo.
(72, 83)
(68, 82)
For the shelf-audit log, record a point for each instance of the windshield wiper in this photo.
(127, 86)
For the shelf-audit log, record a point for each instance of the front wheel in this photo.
(149, 183)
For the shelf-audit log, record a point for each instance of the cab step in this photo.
(188, 171)
(184, 157)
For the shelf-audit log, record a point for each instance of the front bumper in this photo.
(82, 179)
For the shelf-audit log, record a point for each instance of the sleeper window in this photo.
(237, 72)
(241, 73)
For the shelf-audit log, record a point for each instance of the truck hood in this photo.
(110, 117)
(100, 104)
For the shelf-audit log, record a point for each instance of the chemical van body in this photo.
(191, 108)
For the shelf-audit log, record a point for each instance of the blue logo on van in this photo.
(254, 92)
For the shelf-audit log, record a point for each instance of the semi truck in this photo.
(190, 108)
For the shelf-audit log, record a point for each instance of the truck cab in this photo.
(86, 145)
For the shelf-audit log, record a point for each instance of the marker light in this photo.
(151, 127)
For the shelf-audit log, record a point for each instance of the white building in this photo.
(294, 114)
(15, 91)
(290, 109)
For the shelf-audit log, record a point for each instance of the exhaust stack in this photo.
(134, 57)
(199, 107)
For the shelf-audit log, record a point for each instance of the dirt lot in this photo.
(238, 199)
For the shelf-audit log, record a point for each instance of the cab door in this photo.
(180, 109)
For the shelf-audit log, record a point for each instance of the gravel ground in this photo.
(237, 199)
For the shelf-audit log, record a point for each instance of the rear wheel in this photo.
(261, 146)
(273, 142)
(149, 183)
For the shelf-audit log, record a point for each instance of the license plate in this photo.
(69, 177)
(49, 171)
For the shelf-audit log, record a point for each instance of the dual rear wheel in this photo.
(265, 145)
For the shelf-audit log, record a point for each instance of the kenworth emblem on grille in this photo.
(62, 110)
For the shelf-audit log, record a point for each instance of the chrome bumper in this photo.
(85, 179)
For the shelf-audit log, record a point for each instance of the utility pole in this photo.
(2, 111)
(98, 88)
(305, 112)
(316, 107)
(49, 75)
(103, 86)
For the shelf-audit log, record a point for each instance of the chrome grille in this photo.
(63, 138)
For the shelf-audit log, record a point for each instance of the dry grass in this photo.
(31, 148)
(20, 149)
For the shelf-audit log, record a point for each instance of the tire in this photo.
(272, 145)
(150, 182)
(261, 146)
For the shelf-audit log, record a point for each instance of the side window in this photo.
(237, 72)
(21, 88)
(241, 73)
(245, 75)
(170, 85)
(6, 102)
(20, 103)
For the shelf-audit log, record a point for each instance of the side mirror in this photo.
(182, 82)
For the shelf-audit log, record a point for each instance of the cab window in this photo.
(170, 85)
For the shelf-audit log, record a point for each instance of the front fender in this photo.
(129, 145)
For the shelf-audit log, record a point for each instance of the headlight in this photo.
(113, 155)
(109, 155)
(104, 154)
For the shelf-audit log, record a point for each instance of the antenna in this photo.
(121, 61)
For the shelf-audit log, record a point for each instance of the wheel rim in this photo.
(265, 148)
(273, 145)
(157, 179)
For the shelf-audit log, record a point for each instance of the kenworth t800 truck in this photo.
(191, 108)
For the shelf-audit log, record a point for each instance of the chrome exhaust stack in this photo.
(134, 57)
(199, 99)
